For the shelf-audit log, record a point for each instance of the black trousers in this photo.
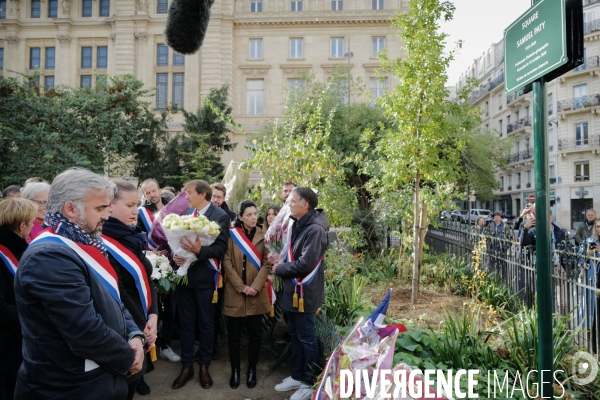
(253, 324)
(195, 310)
(8, 381)
(168, 320)
(218, 316)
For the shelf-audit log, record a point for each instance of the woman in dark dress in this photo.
(126, 245)
(16, 220)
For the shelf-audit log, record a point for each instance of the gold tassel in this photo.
(272, 312)
(220, 281)
(295, 300)
(153, 353)
(215, 297)
(301, 305)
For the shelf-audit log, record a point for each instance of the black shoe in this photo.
(216, 353)
(143, 388)
(234, 381)
(251, 381)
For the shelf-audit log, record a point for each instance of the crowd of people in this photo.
(79, 313)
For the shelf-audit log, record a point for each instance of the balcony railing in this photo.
(483, 89)
(495, 82)
(578, 103)
(591, 26)
(520, 156)
(590, 62)
(574, 143)
(582, 178)
(588, 2)
(528, 185)
(518, 125)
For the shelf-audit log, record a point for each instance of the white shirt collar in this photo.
(204, 210)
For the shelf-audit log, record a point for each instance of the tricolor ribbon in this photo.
(92, 257)
(9, 259)
(134, 266)
(147, 219)
(300, 282)
(214, 264)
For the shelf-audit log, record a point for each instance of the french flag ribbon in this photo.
(91, 256)
(134, 266)
(300, 282)
(249, 250)
(147, 219)
(9, 259)
(214, 264)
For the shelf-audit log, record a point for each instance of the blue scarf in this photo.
(65, 228)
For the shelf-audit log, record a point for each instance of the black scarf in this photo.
(13, 242)
(132, 237)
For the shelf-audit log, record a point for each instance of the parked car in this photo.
(476, 213)
(445, 216)
(459, 216)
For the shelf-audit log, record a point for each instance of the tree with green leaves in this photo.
(42, 133)
(427, 134)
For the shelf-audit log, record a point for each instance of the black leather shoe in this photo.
(205, 380)
(234, 381)
(143, 389)
(251, 381)
(186, 374)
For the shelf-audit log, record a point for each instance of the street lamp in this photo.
(349, 54)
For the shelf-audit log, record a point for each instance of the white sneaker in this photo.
(288, 384)
(169, 354)
(304, 393)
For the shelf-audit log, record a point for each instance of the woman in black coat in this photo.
(16, 220)
(122, 237)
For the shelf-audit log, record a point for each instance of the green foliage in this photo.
(44, 133)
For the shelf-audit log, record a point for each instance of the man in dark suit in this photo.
(195, 300)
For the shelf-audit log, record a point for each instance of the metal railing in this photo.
(523, 122)
(479, 92)
(575, 277)
(495, 82)
(591, 26)
(590, 62)
(578, 103)
(588, 2)
(574, 143)
(520, 156)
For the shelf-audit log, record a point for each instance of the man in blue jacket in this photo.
(79, 341)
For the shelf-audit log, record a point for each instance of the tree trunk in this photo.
(422, 232)
(415, 280)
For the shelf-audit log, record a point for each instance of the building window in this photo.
(178, 59)
(337, 5)
(552, 171)
(86, 9)
(489, 58)
(256, 49)
(85, 80)
(86, 57)
(104, 8)
(256, 6)
(377, 89)
(34, 57)
(48, 83)
(377, 44)
(581, 134)
(500, 101)
(162, 84)
(255, 92)
(178, 85)
(50, 58)
(295, 87)
(337, 47)
(501, 183)
(101, 57)
(296, 6)
(377, 4)
(528, 176)
(296, 48)
(162, 55)
(582, 171)
(500, 127)
(36, 8)
(52, 8)
(580, 95)
(162, 6)
(2, 9)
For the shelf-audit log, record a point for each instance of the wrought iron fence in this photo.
(575, 277)
(578, 103)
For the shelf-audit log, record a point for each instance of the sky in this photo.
(478, 23)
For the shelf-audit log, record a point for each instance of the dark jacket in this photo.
(225, 208)
(10, 329)
(129, 237)
(153, 210)
(200, 275)
(528, 236)
(309, 242)
(584, 231)
(67, 317)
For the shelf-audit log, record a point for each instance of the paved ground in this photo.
(165, 372)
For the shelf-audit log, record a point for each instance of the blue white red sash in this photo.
(306, 280)
(214, 264)
(134, 266)
(147, 219)
(91, 256)
(9, 259)
(249, 250)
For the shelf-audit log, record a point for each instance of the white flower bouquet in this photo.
(163, 275)
(176, 227)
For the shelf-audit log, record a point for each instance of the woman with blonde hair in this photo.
(16, 221)
(37, 193)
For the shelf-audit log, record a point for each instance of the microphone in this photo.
(187, 23)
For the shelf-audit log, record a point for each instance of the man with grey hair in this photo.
(79, 341)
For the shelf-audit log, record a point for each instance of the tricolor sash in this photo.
(147, 219)
(92, 257)
(9, 259)
(300, 282)
(134, 266)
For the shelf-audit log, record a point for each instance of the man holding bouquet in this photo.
(195, 300)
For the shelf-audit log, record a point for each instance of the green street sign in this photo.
(535, 44)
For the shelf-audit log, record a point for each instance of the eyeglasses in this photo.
(40, 202)
(217, 197)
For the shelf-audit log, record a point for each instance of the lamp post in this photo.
(349, 54)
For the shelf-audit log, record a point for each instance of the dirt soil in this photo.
(428, 310)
